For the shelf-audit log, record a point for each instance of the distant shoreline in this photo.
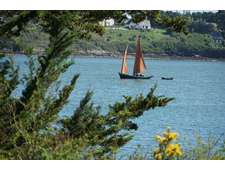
(148, 56)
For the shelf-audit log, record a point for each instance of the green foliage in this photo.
(17, 22)
(155, 41)
(167, 148)
(177, 23)
(219, 19)
(30, 127)
(202, 27)
(212, 149)
(210, 17)
(109, 132)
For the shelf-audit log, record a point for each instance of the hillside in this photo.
(155, 43)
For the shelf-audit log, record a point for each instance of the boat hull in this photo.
(127, 76)
(167, 78)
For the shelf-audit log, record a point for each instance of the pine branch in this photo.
(110, 131)
(8, 79)
(51, 109)
(17, 23)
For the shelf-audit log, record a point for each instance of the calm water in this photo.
(199, 89)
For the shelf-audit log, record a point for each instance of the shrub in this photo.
(167, 149)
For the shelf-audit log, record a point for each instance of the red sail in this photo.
(139, 64)
(124, 68)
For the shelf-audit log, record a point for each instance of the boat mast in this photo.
(139, 64)
(124, 67)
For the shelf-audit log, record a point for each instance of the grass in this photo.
(211, 149)
(114, 41)
(154, 41)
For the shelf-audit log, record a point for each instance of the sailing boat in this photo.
(139, 65)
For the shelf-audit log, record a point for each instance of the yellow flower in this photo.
(160, 139)
(170, 135)
(158, 156)
(178, 150)
(169, 150)
(157, 151)
(173, 150)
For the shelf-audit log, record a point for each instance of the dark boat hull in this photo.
(127, 76)
(167, 78)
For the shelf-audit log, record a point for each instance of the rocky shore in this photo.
(107, 54)
(155, 56)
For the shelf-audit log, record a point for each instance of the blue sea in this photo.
(198, 88)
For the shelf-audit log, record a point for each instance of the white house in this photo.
(143, 25)
(108, 22)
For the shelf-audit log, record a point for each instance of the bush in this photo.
(167, 149)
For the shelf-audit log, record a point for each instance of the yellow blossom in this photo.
(158, 156)
(170, 135)
(157, 151)
(167, 149)
(178, 150)
(160, 139)
(173, 150)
